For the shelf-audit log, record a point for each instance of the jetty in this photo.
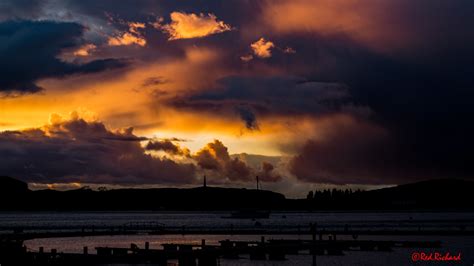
(15, 253)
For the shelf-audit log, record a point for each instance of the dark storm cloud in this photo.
(135, 9)
(349, 151)
(107, 18)
(16, 9)
(423, 100)
(268, 174)
(248, 117)
(164, 145)
(268, 96)
(167, 146)
(30, 50)
(215, 159)
(79, 151)
(426, 103)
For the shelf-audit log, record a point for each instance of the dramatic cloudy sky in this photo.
(302, 93)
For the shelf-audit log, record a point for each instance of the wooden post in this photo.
(313, 234)
(313, 231)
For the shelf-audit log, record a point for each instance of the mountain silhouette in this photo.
(10, 185)
(445, 194)
(449, 194)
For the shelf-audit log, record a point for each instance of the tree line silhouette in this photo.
(332, 194)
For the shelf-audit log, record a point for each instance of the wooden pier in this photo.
(14, 253)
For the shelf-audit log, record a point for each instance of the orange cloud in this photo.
(85, 50)
(308, 15)
(262, 48)
(132, 36)
(374, 23)
(134, 26)
(215, 156)
(188, 26)
(121, 100)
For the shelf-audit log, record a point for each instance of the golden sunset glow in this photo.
(160, 132)
(302, 91)
(187, 26)
(133, 36)
(262, 48)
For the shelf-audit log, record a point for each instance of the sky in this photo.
(305, 94)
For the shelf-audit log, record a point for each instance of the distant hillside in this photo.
(12, 193)
(445, 194)
(438, 194)
(11, 185)
(427, 195)
(208, 198)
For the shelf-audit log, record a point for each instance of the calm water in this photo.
(463, 244)
(214, 219)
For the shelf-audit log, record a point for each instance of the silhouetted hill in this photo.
(11, 185)
(209, 198)
(428, 195)
(433, 194)
(444, 194)
(167, 198)
(12, 191)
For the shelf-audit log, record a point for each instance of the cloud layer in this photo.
(379, 92)
(249, 96)
(30, 50)
(76, 150)
(130, 37)
(82, 151)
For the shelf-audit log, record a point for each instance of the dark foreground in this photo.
(184, 238)
(14, 253)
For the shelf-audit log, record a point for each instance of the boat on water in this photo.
(248, 214)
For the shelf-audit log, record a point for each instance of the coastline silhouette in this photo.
(445, 194)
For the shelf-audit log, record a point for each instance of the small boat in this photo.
(248, 214)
